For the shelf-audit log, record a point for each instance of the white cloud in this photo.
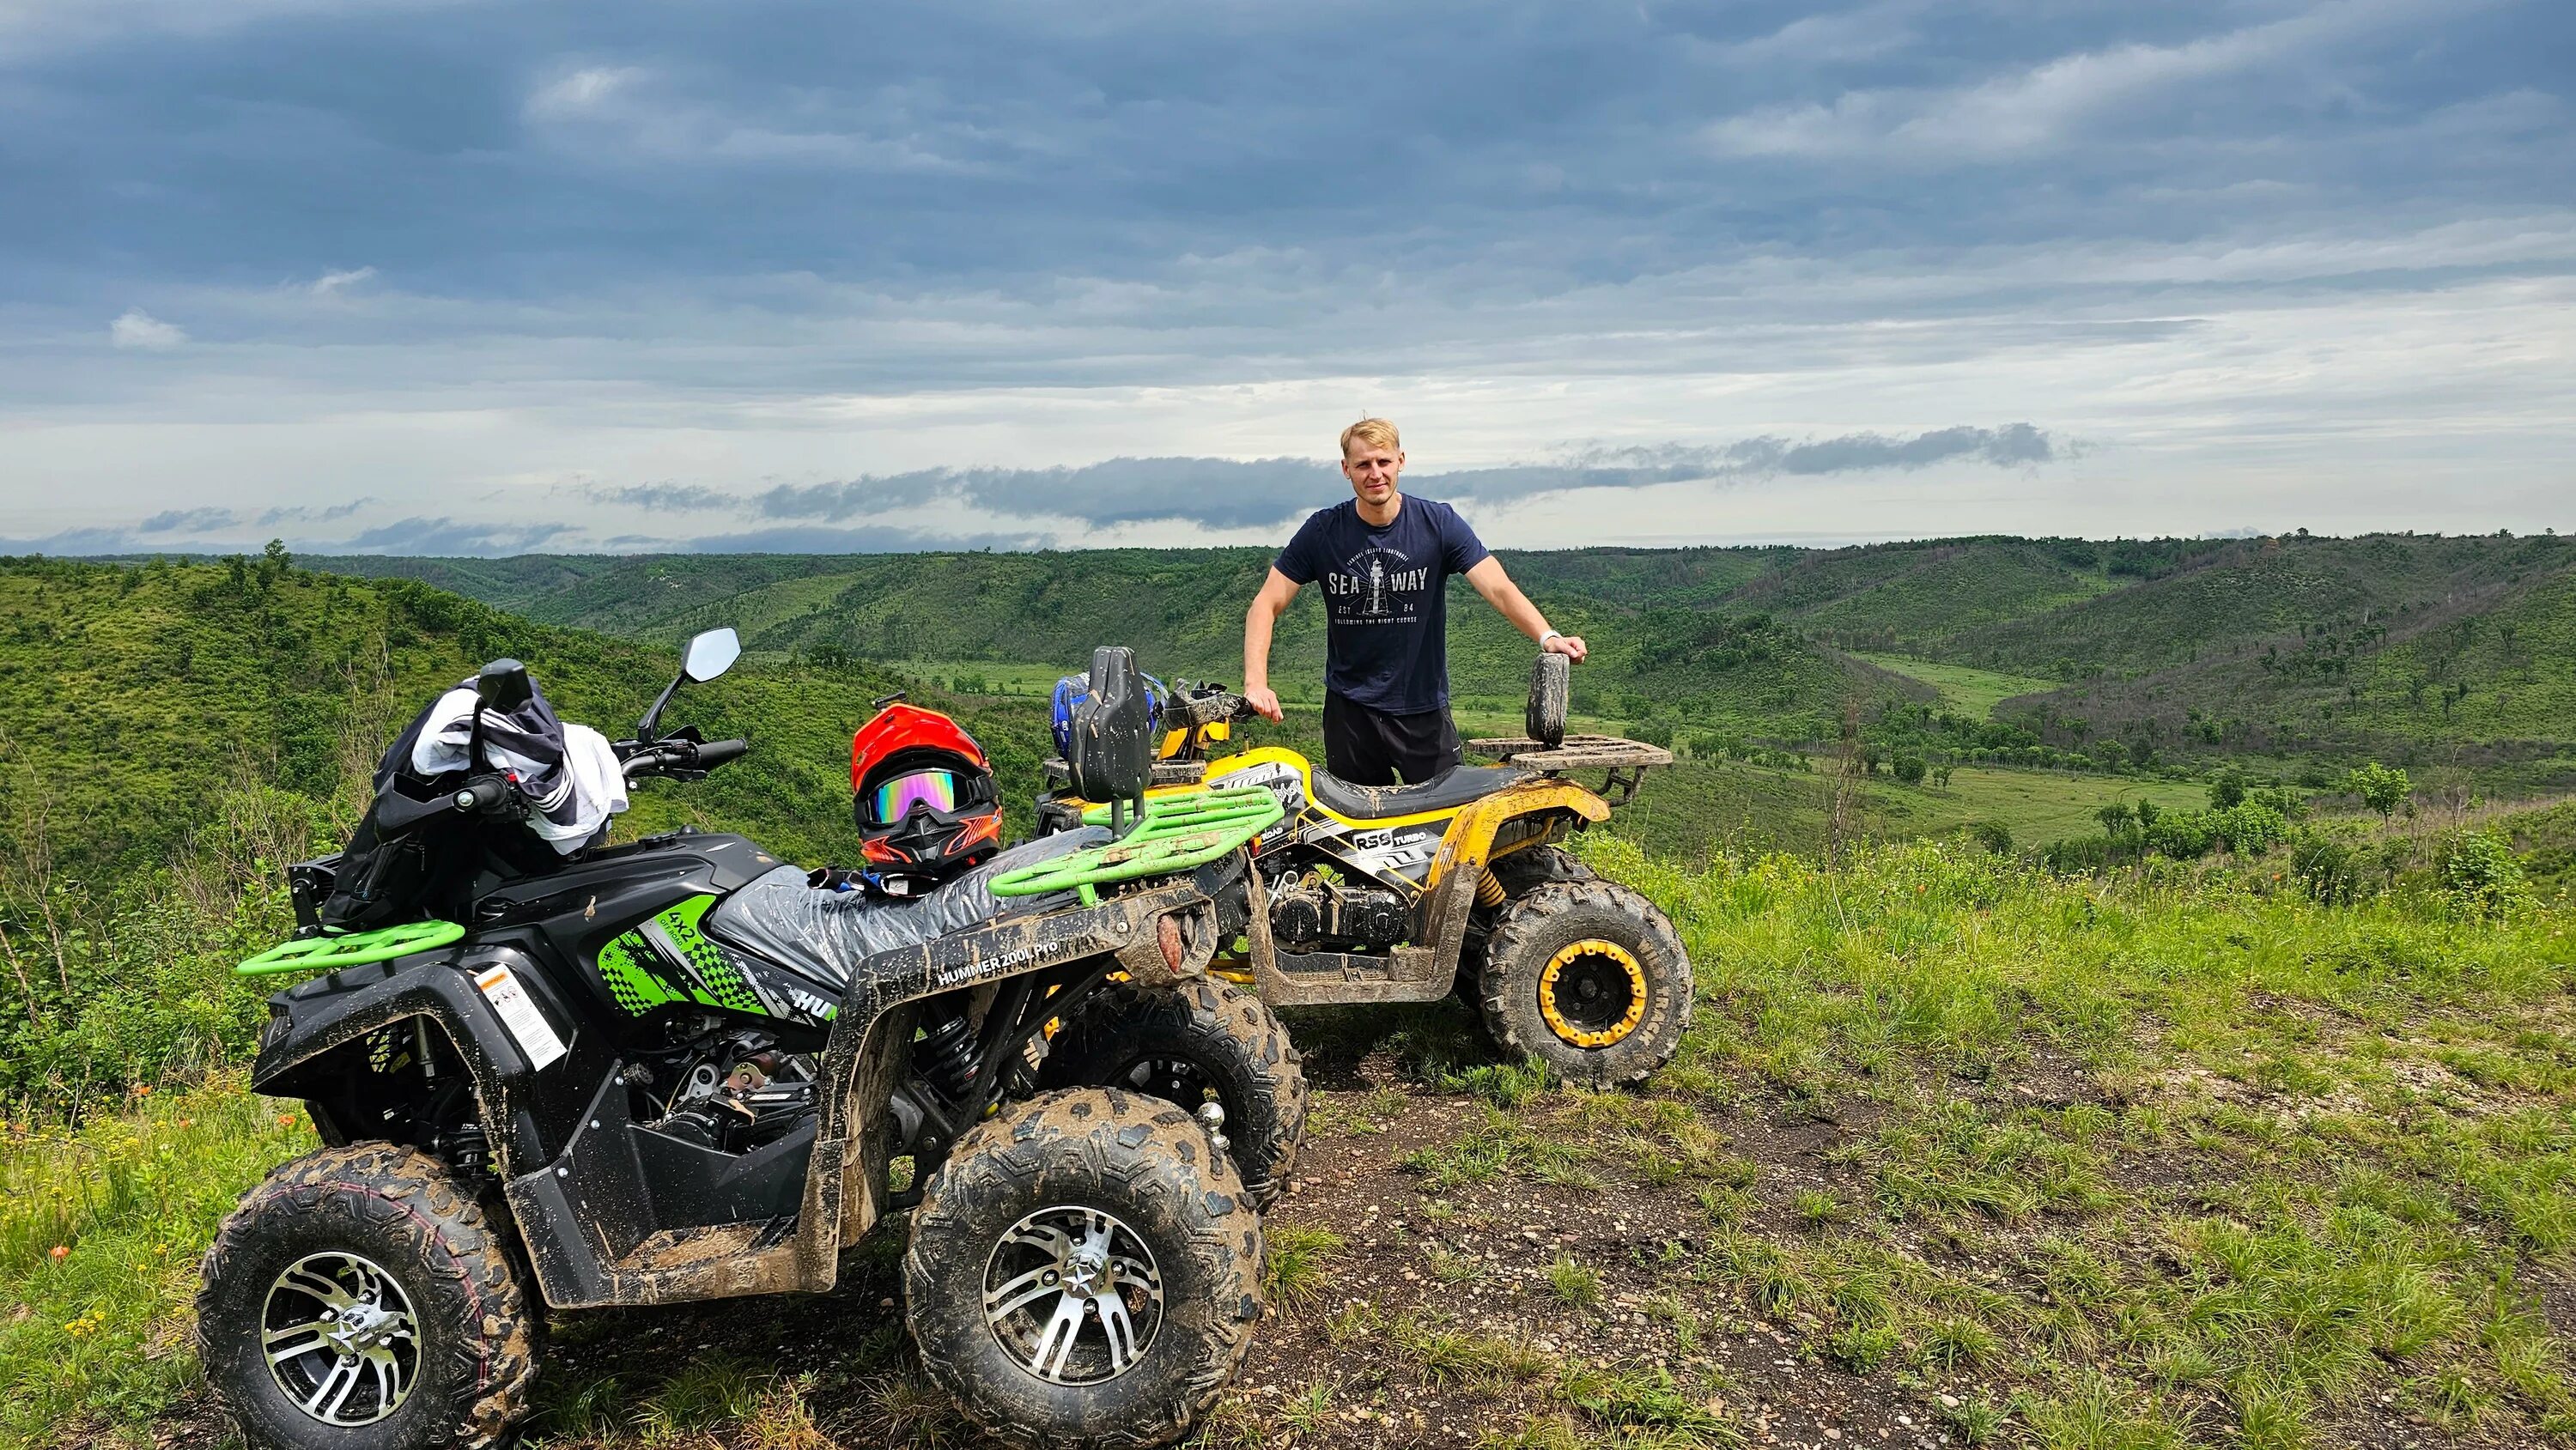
(625, 112)
(2043, 107)
(582, 92)
(140, 329)
(332, 283)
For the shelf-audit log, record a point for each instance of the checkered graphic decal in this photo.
(665, 958)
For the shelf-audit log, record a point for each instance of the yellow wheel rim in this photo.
(1576, 973)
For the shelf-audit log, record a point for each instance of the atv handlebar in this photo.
(680, 757)
(485, 795)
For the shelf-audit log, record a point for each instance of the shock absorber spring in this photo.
(946, 1057)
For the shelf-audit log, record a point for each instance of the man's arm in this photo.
(1507, 599)
(1266, 608)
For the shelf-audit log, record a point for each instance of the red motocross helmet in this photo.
(926, 803)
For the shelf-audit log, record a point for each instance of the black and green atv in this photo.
(672, 1070)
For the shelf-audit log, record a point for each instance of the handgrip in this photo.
(481, 795)
(717, 752)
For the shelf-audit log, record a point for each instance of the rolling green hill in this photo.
(133, 699)
(2239, 599)
(1665, 642)
(2298, 644)
(2483, 676)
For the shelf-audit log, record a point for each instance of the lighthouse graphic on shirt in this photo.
(1377, 586)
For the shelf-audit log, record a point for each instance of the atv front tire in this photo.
(1182, 1045)
(1590, 978)
(361, 1297)
(1083, 1272)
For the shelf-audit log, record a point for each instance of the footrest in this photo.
(1176, 833)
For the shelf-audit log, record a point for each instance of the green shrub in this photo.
(2380, 787)
(2480, 874)
(2329, 869)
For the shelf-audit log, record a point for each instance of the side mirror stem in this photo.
(645, 729)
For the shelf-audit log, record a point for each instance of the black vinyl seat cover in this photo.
(1455, 786)
(821, 935)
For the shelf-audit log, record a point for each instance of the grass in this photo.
(1695, 809)
(1577, 1285)
(1971, 692)
(2297, 1156)
(2173, 1157)
(1292, 1269)
(101, 1231)
(2037, 806)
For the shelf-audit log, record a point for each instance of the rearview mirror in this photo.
(708, 655)
(711, 654)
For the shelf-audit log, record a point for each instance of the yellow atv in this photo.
(1408, 893)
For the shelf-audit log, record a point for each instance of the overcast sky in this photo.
(462, 277)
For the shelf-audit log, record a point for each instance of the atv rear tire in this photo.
(384, 1238)
(1590, 978)
(1181, 1045)
(1174, 1253)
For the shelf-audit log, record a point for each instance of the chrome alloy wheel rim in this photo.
(1073, 1295)
(340, 1339)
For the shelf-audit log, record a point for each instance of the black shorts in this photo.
(1371, 747)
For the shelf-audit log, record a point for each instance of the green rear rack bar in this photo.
(1176, 833)
(331, 953)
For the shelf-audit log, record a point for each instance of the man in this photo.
(1385, 561)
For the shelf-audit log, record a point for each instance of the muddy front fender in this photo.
(309, 1050)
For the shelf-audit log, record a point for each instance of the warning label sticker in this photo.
(519, 1013)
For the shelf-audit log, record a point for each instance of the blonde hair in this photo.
(1375, 432)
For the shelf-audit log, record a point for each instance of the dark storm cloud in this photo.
(667, 156)
(302, 514)
(446, 537)
(186, 521)
(2018, 444)
(677, 497)
(810, 539)
(1223, 493)
(594, 219)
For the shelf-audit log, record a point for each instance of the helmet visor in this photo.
(895, 798)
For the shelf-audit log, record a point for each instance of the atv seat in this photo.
(1453, 787)
(821, 935)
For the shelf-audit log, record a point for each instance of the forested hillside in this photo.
(2197, 649)
(1665, 643)
(133, 698)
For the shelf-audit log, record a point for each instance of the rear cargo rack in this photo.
(1624, 762)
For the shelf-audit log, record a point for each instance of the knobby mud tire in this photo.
(1533, 928)
(1141, 1159)
(1534, 866)
(481, 1334)
(1226, 1034)
(1518, 874)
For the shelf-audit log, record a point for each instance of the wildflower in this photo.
(143, 1090)
(285, 1119)
(59, 1252)
(187, 1122)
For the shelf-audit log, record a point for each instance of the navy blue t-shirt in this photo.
(1386, 634)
